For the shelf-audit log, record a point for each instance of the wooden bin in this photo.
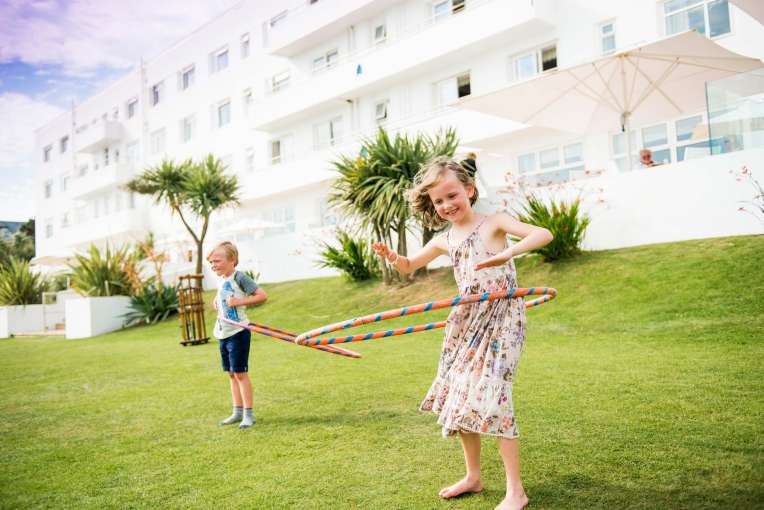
(191, 307)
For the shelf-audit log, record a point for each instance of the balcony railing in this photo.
(91, 138)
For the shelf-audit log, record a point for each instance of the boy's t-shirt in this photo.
(237, 285)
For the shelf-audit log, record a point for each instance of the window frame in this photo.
(157, 93)
(245, 45)
(190, 73)
(537, 54)
(219, 111)
(130, 107)
(601, 36)
(706, 17)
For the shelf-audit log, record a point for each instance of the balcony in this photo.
(420, 49)
(91, 138)
(294, 31)
(299, 171)
(116, 228)
(101, 179)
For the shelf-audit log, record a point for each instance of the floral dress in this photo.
(472, 391)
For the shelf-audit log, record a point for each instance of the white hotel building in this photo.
(278, 92)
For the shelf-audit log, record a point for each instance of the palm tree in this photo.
(373, 188)
(199, 188)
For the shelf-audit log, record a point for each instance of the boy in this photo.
(235, 292)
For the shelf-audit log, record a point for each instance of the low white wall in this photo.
(693, 199)
(92, 316)
(20, 319)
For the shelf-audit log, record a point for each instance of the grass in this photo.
(641, 386)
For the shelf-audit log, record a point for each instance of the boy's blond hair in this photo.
(230, 250)
(428, 176)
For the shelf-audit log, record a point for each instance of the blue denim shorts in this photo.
(234, 351)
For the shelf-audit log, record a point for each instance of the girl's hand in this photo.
(496, 260)
(383, 251)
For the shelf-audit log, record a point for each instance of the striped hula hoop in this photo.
(286, 336)
(310, 338)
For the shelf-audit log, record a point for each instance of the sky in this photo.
(54, 53)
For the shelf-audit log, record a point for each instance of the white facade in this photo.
(277, 92)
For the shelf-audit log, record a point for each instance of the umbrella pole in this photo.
(625, 124)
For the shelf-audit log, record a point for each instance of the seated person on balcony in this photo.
(646, 159)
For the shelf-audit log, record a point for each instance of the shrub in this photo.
(563, 219)
(354, 258)
(19, 285)
(102, 274)
(152, 304)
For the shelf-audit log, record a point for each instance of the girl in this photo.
(472, 392)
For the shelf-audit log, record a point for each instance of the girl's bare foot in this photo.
(463, 486)
(514, 502)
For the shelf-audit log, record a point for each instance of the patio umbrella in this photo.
(754, 8)
(644, 84)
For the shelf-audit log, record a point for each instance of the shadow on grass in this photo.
(581, 491)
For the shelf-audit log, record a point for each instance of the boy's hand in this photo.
(232, 302)
(496, 260)
(383, 251)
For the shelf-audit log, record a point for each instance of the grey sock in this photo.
(235, 417)
(248, 420)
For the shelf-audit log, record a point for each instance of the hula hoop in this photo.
(308, 338)
(286, 336)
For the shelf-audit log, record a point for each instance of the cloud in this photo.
(20, 115)
(82, 35)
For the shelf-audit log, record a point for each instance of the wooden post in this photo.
(191, 305)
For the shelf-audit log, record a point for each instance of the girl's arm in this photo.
(434, 248)
(255, 299)
(532, 237)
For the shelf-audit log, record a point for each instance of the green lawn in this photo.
(641, 386)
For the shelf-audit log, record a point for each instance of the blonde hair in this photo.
(428, 176)
(230, 250)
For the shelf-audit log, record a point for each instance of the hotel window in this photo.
(46, 153)
(686, 139)
(284, 217)
(218, 60)
(381, 111)
(224, 114)
(708, 17)
(244, 42)
(49, 228)
(607, 37)
(65, 220)
(48, 187)
(63, 144)
(247, 98)
(380, 33)
(115, 113)
(82, 171)
(279, 81)
(187, 77)
(158, 141)
(187, 128)
(64, 182)
(441, 9)
(327, 133)
(531, 63)
(157, 92)
(275, 152)
(131, 108)
(325, 61)
(249, 159)
(131, 153)
(555, 165)
(620, 149)
(656, 139)
(450, 90)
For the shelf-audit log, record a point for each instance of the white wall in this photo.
(95, 316)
